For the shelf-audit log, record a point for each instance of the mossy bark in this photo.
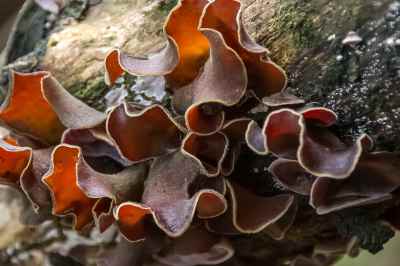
(360, 82)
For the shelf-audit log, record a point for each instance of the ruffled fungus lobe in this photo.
(181, 59)
(373, 180)
(68, 197)
(143, 135)
(264, 76)
(279, 229)
(27, 111)
(22, 167)
(89, 192)
(167, 199)
(209, 151)
(249, 213)
(208, 62)
(204, 119)
(14, 161)
(223, 81)
(285, 128)
(282, 99)
(196, 247)
(255, 139)
(320, 151)
(235, 130)
(304, 136)
(73, 113)
(31, 180)
(292, 176)
(47, 108)
(281, 130)
(94, 143)
(123, 253)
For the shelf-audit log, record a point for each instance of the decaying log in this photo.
(358, 78)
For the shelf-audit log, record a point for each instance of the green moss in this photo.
(168, 5)
(91, 92)
(295, 18)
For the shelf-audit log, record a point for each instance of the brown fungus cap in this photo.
(304, 136)
(209, 151)
(209, 62)
(14, 161)
(141, 135)
(94, 143)
(223, 81)
(255, 139)
(373, 180)
(88, 195)
(235, 130)
(264, 76)
(22, 168)
(37, 106)
(279, 229)
(124, 253)
(181, 59)
(26, 110)
(292, 176)
(282, 99)
(196, 246)
(68, 197)
(167, 200)
(374, 177)
(249, 213)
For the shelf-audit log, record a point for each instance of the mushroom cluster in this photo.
(168, 172)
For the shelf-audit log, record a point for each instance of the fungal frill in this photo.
(37, 110)
(77, 189)
(373, 180)
(313, 161)
(249, 213)
(210, 62)
(304, 136)
(196, 247)
(168, 176)
(168, 200)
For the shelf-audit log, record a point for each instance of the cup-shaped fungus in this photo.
(210, 62)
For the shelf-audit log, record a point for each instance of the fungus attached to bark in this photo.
(196, 247)
(210, 62)
(62, 181)
(14, 161)
(304, 136)
(209, 151)
(170, 174)
(143, 134)
(168, 201)
(374, 178)
(89, 195)
(249, 213)
(38, 107)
